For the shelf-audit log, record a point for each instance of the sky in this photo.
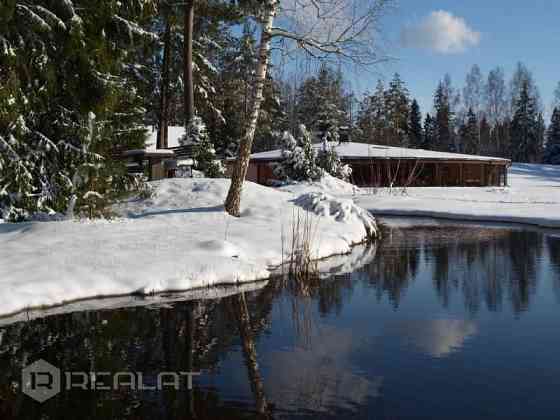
(428, 38)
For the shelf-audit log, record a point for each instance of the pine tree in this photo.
(415, 126)
(204, 151)
(552, 150)
(525, 130)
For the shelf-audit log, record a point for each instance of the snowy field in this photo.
(533, 197)
(178, 239)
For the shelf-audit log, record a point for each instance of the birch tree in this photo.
(322, 29)
(495, 96)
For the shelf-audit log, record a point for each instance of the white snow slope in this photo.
(179, 239)
(533, 197)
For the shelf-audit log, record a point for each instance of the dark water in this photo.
(447, 322)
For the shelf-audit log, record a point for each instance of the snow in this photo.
(130, 301)
(178, 239)
(349, 150)
(533, 198)
(328, 184)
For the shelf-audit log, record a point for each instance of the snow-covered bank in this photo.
(359, 256)
(179, 239)
(533, 197)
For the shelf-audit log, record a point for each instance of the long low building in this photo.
(382, 166)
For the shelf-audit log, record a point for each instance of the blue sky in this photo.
(484, 32)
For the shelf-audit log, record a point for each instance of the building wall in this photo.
(253, 172)
(409, 172)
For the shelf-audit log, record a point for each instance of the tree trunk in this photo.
(250, 354)
(164, 100)
(188, 64)
(233, 200)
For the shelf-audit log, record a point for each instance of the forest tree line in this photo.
(81, 80)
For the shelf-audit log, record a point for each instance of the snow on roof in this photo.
(174, 134)
(351, 150)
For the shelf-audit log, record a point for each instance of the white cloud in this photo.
(442, 32)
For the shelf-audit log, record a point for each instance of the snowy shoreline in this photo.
(179, 239)
(533, 198)
(359, 256)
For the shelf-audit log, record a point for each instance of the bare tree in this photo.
(495, 92)
(343, 29)
(472, 92)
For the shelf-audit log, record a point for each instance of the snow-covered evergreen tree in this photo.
(329, 161)
(204, 151)
(552, 150)
(298, 161)
(60, 63)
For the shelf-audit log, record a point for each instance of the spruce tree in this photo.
(204, 151)
(486, 146)
(372, 121)
(397, 112)
(68, 102)
(444, 139)
(415, 126)
(430, 133)
(298, 158)
(469, 138)
(525, 131)
(323, 104)
(329, 161)
(552, 150)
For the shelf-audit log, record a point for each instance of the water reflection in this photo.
(371, 344)
(436, 337)
(317, 378)
(553, 247)
(484, 267)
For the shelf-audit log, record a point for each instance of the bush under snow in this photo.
(341, 210)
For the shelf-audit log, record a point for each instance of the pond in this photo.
(448, 321)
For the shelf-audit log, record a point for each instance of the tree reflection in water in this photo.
(492, 269)
(483, 265)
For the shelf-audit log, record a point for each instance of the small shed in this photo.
(175, 160)
(382, 166)
(156, 164)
